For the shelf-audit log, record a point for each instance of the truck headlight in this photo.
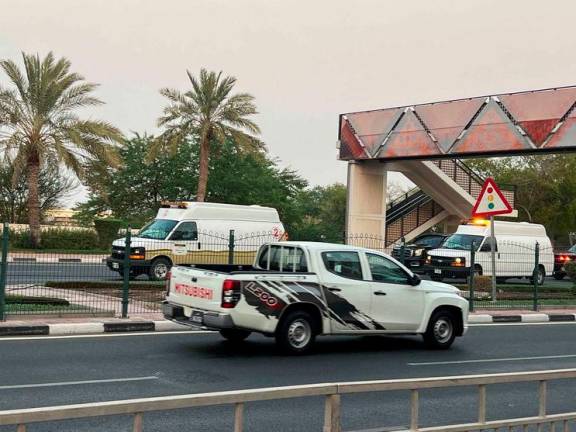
(138, 253)
(459, 262)
(418, 252)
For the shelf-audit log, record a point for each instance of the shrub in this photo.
(57, 238)
(107, 230)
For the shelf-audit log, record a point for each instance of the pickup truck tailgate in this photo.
(196, 288)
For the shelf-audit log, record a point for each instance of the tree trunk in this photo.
(203, 171)
(33, 171)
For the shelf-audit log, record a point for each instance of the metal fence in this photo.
(127, 281)
(332, 393)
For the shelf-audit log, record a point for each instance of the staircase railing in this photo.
(407, 212)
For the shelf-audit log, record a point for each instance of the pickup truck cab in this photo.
(299, 290)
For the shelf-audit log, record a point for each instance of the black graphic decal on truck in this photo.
(271, 297)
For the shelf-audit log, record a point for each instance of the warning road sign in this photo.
(491, 202)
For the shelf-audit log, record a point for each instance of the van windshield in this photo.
(462, 241)
(158, 229)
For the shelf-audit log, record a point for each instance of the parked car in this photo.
(299, 290)
(197, 233)
(515, 252)
(415, 253)
(561, 259)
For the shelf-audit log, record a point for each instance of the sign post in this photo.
(490, 203)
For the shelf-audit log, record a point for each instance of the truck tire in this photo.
(234, 335)
(296, 332)
(559, 276)
(436, 278)
(441, 330)
(540, 276)
(159, 269)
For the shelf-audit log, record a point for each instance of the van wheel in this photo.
(159, 269)
(441, 330)
(295, 333)
(234, 335)
(540, 276)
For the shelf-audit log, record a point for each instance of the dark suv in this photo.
(415, 252)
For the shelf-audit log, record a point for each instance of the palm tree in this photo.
(38, 124)
(211, 115)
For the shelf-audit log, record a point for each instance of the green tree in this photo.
(134, 190)
(52, 187)
(546, 189)
(322, 214)
(212, 116)
(39, 124)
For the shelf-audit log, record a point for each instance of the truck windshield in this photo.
(462, 241)
(158, 229)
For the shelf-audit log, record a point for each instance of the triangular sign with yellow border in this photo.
(491, 202)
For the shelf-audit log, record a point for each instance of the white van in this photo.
(515, 256)
(198, 233)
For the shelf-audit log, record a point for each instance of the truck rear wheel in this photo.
(234, 335)
(441, 330)
(295, 333)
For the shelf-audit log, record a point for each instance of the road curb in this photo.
(62, 329)
(520, 318)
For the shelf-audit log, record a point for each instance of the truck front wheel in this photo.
(234, 335)
(441, 330)
(159, 269)
(295, 333)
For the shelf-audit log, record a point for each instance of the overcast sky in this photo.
(304, 61)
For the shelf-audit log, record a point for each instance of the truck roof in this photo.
(504, 228)
(191, 210)
(319, 245)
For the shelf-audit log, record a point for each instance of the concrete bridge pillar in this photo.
(366, 206)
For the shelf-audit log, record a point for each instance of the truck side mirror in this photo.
(414, 280)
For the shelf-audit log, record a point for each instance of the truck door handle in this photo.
(380, 293)
(199, 246)
(333, 289)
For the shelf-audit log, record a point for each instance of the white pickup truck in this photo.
(299, 290)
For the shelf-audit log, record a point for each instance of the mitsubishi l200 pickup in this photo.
(299, 290)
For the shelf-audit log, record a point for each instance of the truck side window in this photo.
(289, 259)
(384, 270)
(186, 231)
(486, 245)
(345, 264)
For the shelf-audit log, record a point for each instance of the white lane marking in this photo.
(72, 383)
(496, 360)
(104, 335)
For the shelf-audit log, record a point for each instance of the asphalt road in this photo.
(54, 371)
(38, 273)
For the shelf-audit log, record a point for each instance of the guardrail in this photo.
(332, 393)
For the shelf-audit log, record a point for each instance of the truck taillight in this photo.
(168, 277)
(230, 293)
